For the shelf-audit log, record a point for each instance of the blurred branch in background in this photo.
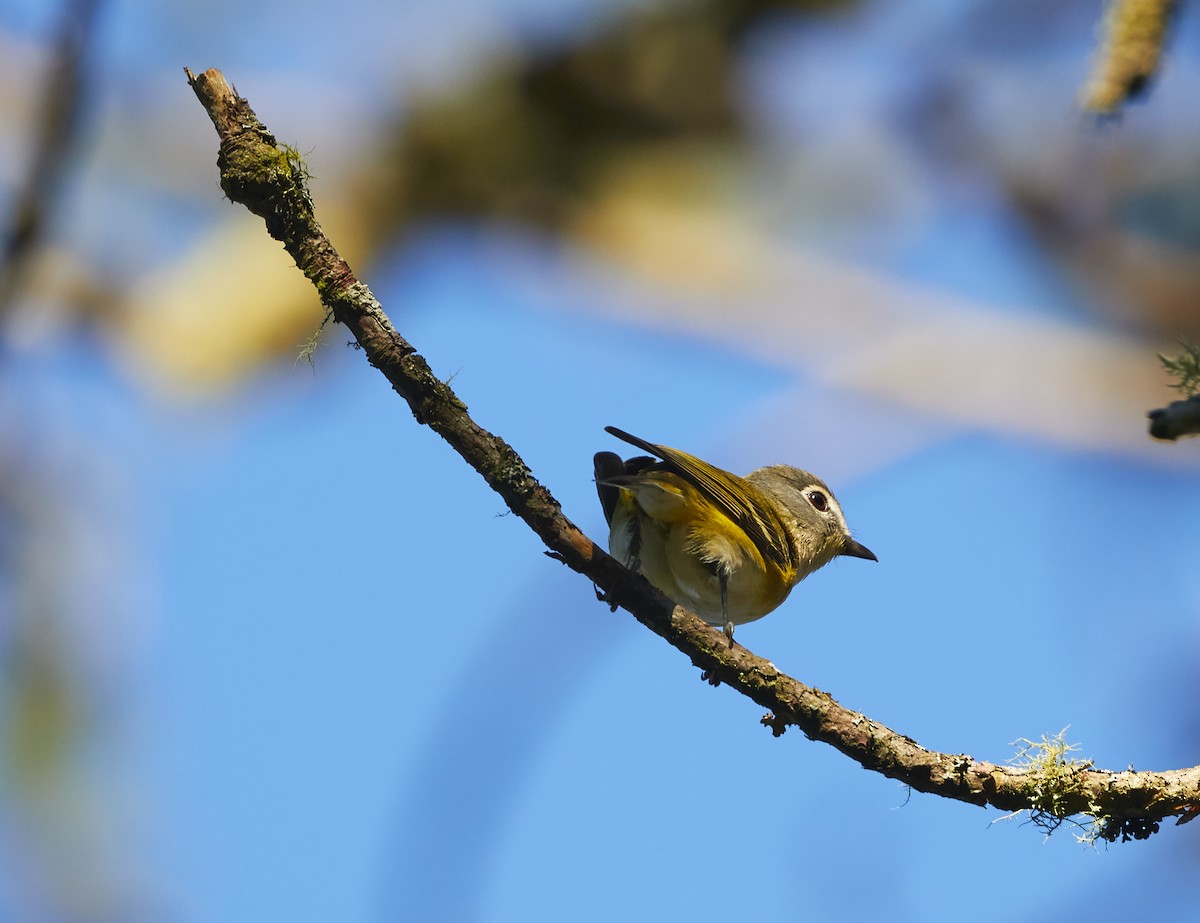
(1131, 47)
(60, 617)
(635, 142)
(61, 832)
(560, 139)
(539, 137)
(55, 134)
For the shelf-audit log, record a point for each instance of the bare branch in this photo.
(270, 180)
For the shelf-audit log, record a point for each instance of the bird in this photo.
(728, 548)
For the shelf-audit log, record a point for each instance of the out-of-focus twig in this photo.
(1132, 36)
(57, 129)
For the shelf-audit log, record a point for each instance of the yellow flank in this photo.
(684, 539)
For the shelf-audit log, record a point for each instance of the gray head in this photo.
(812, 514)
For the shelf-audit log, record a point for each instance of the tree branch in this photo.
(1178, 418)
(270, 180)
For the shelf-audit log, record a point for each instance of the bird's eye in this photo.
(819, 501)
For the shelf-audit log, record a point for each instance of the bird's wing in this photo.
(738, 499)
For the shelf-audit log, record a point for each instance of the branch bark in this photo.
(1177, 419)
(270, 180)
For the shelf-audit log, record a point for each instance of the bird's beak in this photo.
(853, 549)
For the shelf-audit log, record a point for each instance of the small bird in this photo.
(729, 548)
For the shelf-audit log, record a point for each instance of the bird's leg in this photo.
(722, 575)
(723, 580)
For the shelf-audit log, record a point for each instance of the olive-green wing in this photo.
(735, 497)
